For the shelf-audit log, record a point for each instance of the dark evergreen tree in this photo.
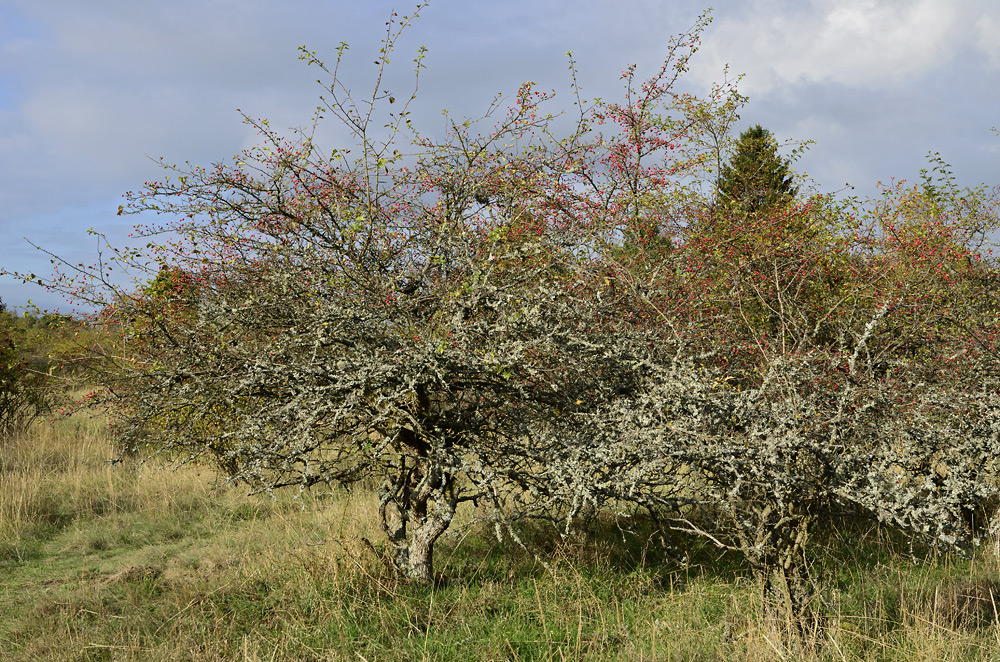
(756, 178)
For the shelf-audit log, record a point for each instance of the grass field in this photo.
(103, 561)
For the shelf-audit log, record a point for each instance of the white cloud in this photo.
(859, 43)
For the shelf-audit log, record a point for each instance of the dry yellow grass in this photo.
(131, 561)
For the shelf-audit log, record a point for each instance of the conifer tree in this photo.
(757, 178)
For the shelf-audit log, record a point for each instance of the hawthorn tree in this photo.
(850, 371)
(430, 320)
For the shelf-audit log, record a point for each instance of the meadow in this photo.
(104, 560)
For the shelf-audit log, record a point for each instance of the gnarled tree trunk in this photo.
(414, 512)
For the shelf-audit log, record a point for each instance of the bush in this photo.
(24, 391)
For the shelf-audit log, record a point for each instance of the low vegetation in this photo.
(102, 561)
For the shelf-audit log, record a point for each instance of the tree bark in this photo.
(414, 512)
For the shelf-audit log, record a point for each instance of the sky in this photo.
(91, 93)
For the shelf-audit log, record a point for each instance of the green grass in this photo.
(126, 562)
